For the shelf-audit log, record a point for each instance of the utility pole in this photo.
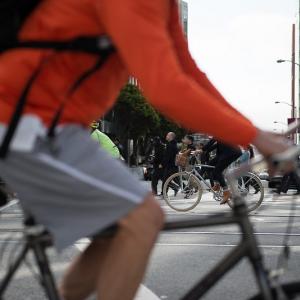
(298, 115)
(293, 71)
(293, 114)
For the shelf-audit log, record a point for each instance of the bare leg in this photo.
(81, 278)
(115, 267)
(125, 264)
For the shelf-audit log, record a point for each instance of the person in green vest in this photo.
(104, 141)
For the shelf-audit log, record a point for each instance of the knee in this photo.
(146, 220)
(155, 215)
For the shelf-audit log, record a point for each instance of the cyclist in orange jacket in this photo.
(74, 188)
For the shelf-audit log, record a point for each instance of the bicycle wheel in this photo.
(290, 290)
(251, 189)
(182, 191)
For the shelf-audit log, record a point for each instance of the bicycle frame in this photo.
(196, 173)
(248, 247)
(37, 241)
(202, 179)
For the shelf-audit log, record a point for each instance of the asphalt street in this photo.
(180, 257)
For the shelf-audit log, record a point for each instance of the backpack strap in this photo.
(87, 74)
(93, 45)
(15, 119)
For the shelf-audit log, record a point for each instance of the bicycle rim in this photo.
(251, 189)
(182, 191)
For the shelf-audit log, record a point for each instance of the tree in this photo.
(166, 126)
(134, 115)
(134, 118)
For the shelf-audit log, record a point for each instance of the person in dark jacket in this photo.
(251, 151)
(287, 181)
(169, 167)
(188, 147)
(205, 172)
(3, 194)
(157, 174)
(225, 156)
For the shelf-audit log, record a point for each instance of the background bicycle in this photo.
(183, 190)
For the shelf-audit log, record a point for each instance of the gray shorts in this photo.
(71, 186)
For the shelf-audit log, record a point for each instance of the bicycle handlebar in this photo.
(290, 155)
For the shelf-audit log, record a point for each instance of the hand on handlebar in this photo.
(196, 152)
(269, 144)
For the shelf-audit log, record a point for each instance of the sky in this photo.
(236, 43)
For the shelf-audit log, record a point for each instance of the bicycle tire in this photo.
(195, 180)
(292, 291)
(261, 188)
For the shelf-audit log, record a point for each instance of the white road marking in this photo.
(143, 293)
(223, 245)
(11, 203)
(230, 233)
(24, 272)
(211, 214)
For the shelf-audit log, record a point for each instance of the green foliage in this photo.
(136, 117)
(167, 126)
(134, 114)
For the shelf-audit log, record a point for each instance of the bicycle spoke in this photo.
(182, 191)
(251, 189)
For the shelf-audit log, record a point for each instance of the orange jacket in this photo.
(151, 46)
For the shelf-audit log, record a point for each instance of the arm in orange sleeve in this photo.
(186, 60)
(139, 30)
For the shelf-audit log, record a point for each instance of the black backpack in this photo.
(13, 13)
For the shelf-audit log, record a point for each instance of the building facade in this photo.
(184, 16)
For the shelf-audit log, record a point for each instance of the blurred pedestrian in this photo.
(169, 166)
(158, 156)
(183, 157)
(188, 143)
(104, 141)
(251, 151)
(287, 181)
(117, 142)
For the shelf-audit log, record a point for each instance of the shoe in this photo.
(226, 197)
(216, 187)
(187, 190)
(188, 194)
